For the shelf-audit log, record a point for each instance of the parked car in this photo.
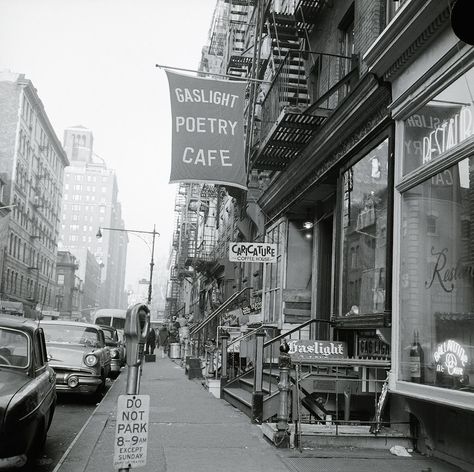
(117, 349)
(27, 391)
(78, 354)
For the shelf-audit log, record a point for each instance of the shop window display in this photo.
(436, 275)
(364, 234)
(436, 280)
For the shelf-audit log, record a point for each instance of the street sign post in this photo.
(131, 431)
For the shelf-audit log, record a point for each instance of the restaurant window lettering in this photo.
(441, 124)
(436, 275)
(364, 234)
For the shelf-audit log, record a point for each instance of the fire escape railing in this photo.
(291, 88)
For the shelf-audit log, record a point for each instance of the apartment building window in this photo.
(346, 28)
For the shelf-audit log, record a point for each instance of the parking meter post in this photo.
(137, 324)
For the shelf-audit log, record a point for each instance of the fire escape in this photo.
(201, 228)
(305, 88)
(174, 282)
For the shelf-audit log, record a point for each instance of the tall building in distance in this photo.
(32, 163)
(91, 202)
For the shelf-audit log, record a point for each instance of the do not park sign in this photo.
(131, 431)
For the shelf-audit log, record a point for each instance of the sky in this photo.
(93, 64)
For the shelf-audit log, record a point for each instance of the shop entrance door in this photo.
(324, 275)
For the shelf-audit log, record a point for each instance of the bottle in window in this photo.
(416, 360)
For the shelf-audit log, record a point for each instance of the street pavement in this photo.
(192, 431)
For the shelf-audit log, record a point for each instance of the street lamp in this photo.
(154, 233)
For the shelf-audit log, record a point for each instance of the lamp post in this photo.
(154, 233)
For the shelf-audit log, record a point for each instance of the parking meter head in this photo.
(137, 322)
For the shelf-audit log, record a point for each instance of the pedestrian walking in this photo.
(183, 337)
(150, 342)
(163, 340)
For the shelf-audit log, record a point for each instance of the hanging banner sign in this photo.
(253, 252)
(207, 130)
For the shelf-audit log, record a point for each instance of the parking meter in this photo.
(137, 324)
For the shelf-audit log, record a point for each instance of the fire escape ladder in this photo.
(288, 120)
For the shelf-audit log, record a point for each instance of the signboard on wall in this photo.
(305, 350)
(253, 252)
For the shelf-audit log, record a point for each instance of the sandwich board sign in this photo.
(131, 431)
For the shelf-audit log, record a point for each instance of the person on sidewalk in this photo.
(150, 342)
(163, 340)
(183, 337)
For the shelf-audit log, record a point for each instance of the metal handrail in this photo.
(294, 330)
(217, 312)
(244, 336)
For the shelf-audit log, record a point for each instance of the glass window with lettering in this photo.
(444, 122)
(365, 234)
(437, 278)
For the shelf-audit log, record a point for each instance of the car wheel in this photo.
(37, 446)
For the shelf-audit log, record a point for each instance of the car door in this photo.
(44, 376)
(105, 357)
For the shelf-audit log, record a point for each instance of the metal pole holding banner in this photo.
(132, 408)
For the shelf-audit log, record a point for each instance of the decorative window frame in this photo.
(457, 62)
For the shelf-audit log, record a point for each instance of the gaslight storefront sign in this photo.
(304, 350)
(450, 358)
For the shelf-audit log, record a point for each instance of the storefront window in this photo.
(440, 125)
(436, 280)
(364, 234)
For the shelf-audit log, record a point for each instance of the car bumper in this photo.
(13, 462)
(115, 365)
(77, 382)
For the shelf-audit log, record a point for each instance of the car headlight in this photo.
(114, 354)
(91, 360)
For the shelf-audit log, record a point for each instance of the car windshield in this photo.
(109, 335)
(13, 348)
(69, 334)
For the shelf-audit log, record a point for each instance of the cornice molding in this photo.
(422, 40)
(414, 26)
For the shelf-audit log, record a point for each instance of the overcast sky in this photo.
(93, 64)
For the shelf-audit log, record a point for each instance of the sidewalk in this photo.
(192, 431)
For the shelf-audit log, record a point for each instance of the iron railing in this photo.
(295, 86)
